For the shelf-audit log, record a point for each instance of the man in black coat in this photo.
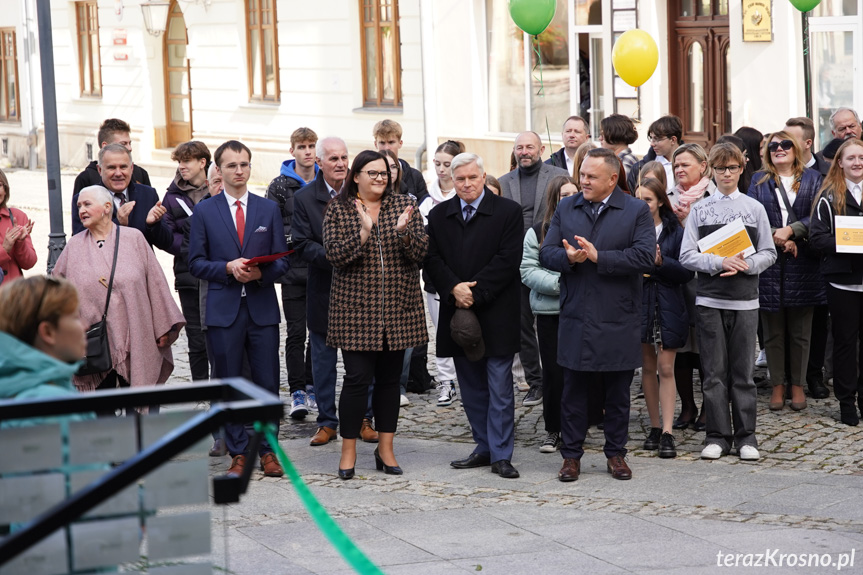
(112, 131)
(601, 241)
(136, 205)
(475, 249)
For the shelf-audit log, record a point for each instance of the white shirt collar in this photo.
(232, 201)
(732, 196)
(333, 192)
(811, 162)
(855, 190)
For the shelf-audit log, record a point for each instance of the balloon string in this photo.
(538, 64)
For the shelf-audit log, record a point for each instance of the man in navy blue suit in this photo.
(136, 205)
(242, 310)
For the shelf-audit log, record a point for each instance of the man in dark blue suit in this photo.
(242, 309)
(136, 205)
(601, 241)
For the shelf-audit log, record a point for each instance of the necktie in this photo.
(597, 207)
(468, 212)
(120, 197)
(241, 221)
(333, 194)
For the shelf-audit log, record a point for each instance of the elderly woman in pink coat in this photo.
(143, 319)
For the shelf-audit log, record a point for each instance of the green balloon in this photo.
(532, 16)
(805, 5)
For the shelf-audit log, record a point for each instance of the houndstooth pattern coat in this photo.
(376, 288)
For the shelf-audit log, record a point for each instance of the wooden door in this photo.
(178, 92)
(700, 93)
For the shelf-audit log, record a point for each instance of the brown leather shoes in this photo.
(570, 470)
(237, 464)
(270, 465)
(323, 436)
(618, 468)
(368, 433)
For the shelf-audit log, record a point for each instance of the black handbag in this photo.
(98, 358)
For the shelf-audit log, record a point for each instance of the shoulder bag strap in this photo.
(113, 268)
(792, 217)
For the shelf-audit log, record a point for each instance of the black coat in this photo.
(282, 191)
(600, 311)
(413, 182)
(558, 159)
(839, 268)
(487, 250)
(663, 288)
(145, 198)
(91, 177)
(307, 234)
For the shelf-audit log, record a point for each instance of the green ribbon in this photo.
(541, 91)
(339, 539)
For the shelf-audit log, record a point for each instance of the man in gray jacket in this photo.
(526, 185)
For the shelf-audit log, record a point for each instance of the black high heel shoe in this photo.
(379, 463)
(347, 473)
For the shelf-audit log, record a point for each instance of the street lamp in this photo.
(155, 15)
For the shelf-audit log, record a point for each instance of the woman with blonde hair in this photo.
(692, 177)
(655, 170)
(841, 195)
(16, 247)
(790, 288)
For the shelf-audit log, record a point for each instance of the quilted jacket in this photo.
(376, 288)
(790, 282)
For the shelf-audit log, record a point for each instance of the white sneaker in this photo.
(522, 385)
(761, 360)
(403, 400)
(712, 451)
(749, 453)
(446, 393)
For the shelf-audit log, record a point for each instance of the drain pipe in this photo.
(418, 157)
(32, 129)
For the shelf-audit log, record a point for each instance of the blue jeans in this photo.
(324, 360)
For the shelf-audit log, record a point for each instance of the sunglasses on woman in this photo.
(786, 145)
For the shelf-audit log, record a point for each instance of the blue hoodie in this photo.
(287, 170)
(27, 373)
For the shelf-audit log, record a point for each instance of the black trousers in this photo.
(818, 343)
(191, 305)
(529, 353)
(574, 410)
(361, 368)
(552, 374)
(298, 352)
(846, 315)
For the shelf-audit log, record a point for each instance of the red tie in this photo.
(241, 222)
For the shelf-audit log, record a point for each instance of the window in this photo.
(262, 46)
(89, 71)
(8, 77)
(382, 83)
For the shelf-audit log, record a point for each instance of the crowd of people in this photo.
(585, 267)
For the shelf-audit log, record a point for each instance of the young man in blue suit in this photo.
(242, 310)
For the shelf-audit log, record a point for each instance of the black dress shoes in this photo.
(848, 414)
(570, 470)
(388, 469)
(817, 389)
(471, 461)
(504, 468)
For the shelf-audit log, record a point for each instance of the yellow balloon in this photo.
(635, 57)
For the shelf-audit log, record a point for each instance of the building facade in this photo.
(258, 69)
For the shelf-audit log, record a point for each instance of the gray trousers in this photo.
(787, 334)
(727, 339)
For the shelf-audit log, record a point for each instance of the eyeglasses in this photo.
(656, 139)
(786, 145)
(374, 174)
(726, 169)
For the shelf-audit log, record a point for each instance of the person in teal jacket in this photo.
(42, 342)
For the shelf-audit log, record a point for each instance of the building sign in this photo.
(757, 21)
(119, 36)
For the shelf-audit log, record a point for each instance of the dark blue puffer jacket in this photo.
(664, 285)
(790, 282)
